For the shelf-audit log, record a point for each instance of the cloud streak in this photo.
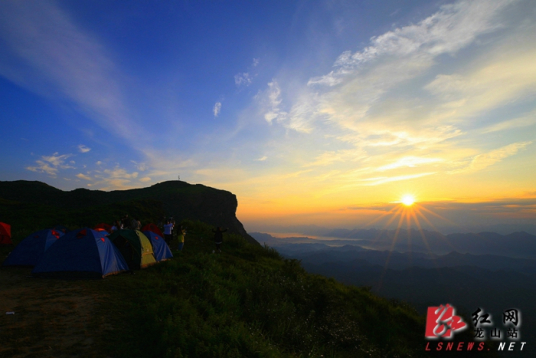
(485, 160)
(47, 53)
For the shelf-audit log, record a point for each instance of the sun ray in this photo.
(409, 213)
(424, 240)
(395, 238)
(382, 216)
(438, 216)
(399, 210)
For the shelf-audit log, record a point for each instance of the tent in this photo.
(160, 248)
(135, 248)
(103, 226)
(5, 233)
(30, 250)
(82, 253)
(153, 228)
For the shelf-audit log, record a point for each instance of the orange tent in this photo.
(5, 233)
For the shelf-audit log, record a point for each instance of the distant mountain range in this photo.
(485, 270)
(518, 244)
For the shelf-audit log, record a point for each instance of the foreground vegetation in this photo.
(244, 302)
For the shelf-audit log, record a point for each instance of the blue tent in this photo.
(82, 253)
(161, 250)
(30, 250)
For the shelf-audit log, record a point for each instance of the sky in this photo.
(311, 112)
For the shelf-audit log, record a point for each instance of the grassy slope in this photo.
(244, 302)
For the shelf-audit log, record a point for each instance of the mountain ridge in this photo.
(51, 206)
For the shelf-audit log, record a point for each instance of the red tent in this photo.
(103, 226)
(153, 228)
(5, 233)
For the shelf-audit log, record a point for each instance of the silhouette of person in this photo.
(218, 238)
(181, 234)
(168, 232)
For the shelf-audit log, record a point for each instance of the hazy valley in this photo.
(470, 271)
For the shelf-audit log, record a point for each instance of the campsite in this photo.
(246, 301)
(69, 315)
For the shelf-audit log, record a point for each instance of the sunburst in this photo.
(408, 213)
(408, 200)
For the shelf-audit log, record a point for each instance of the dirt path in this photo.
(53, 318)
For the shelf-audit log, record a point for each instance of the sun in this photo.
(408, 200)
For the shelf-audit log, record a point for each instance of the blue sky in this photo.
(303, 109)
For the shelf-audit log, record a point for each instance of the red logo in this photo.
(442, 323)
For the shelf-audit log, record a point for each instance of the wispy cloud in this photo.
(243, 79)
(44, 167)
(526, 120)
(410, 162)
(166, 165)
(83, 149)
(450, 29)
(140, 166)
(217, 109)
(498, 81)
(482, 161)
(350, 93)
(115, 178)
(383, 180)
(51, 164)
(339, 156)
(270, 101)
(46, 52)
(83, 176)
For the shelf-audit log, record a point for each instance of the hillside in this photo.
(35, 205)
(467, 281)
(245, 302)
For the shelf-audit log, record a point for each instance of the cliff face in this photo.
(198, 202)
(172, 198)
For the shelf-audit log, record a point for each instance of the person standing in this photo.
(136, 224)
(181, 234)
(168, 232)
(125, 222)
(218, 238)
(117, 225)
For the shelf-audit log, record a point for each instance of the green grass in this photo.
(245, 302)
(249, 302)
